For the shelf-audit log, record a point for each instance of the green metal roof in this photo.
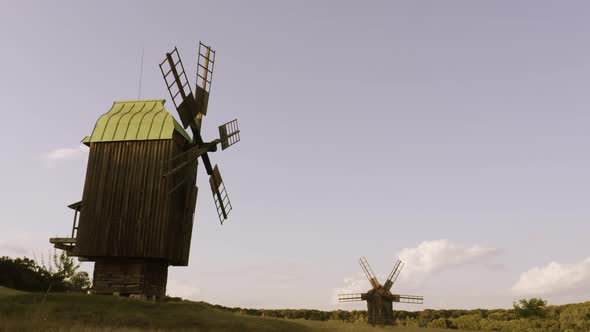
(135, 120)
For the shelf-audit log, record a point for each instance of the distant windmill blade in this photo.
(350, 297)
(179, 87)
(205, 65)
(369, 272)
(397, 268)
(229, 134)
(220, 196)
(414, 299)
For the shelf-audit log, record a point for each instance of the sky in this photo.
(452, 135)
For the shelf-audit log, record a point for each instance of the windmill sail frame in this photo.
(191, 109)
(220, 197)
(379, 298)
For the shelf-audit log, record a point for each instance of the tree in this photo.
(60, 265)
(534, 307)
(58, 273)
(80, 281)
(22, 274)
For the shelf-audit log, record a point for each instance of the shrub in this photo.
(575, 317)
(441, 323)
(534, 307)
(59, 274)
(467, 322)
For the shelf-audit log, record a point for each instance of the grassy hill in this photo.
(8, 292)
(22, 311)
(76, 312)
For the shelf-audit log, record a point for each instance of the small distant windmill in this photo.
(137, 208)
(379, 298)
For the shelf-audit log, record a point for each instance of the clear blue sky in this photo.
(451, 133)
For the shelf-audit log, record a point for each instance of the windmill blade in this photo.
(350, 297)
(412, 299)
(177, 163)
(369, 272)
(229, 134)
(220, 197)
(179, 87)
(205, 64)
(397, 268)
(189, 177)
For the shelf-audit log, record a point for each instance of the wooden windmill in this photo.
(137, 209)
(379, 298)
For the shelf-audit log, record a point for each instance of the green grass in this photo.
(77, 312)
(9, 292)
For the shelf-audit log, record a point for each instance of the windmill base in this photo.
(144, 278)
(379, 311)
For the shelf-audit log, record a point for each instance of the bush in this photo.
(24, 274)
(534, 307)
(468, 322)
(441, 323)
(58, 274)
(575, 317)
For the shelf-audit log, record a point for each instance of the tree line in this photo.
(58, 273)
(529, 315)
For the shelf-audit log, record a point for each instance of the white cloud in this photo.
(20, 245)
(65, 154)
(185, 290)
(356, 284)
(12, 249)
(554, 278)
(437, 255)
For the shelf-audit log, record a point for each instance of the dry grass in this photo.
(91, 313)
(329, 326)
(74, 312)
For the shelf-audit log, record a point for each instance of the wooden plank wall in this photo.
(126, 209)
(379, 310)
(130, 276)
(184, 200)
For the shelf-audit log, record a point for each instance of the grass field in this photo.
(8, 292)
(75, 312)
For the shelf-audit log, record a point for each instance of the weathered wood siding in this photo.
(379, 311)
(126, 208)
(130, 276)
